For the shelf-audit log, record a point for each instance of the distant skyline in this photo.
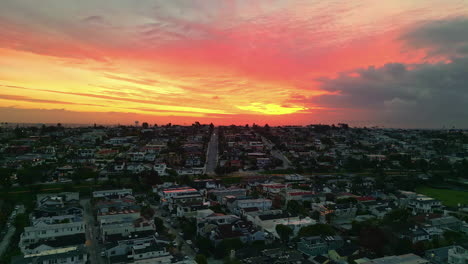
(283, 62)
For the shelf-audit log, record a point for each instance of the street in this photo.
(212, 154)
(185, 249)
(276, 153)
(91, 233)
(11, 230)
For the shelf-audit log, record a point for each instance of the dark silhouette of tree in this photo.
(284, 232)
(201, 259)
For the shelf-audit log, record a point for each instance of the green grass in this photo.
(448, 197)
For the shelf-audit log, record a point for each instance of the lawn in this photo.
(448, 197)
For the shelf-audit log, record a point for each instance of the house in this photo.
(260, 203)
(342, 253)
(319, 245)
(219, 194)
(343, 213)
(457, 255)
(273, 188)
(151, 252)
(181, 196)
(424, 204)
(268, 220)
(205, 184)
(438, 255)
(160, 168)
(53, 243)
(106, 193)
(205, 225)
(190, 209)
(415, 234)
(298, 195)
(68, 255)
(447, 223)
(125, 227)
(118, 246)
(402, 259)
(57, 200)
(243, 230)
(136, 168)
(57, 217)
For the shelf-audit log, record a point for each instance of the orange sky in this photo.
(211, 61)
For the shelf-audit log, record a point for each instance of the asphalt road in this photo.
(185, 250)
(94, 248)
(276, 153)
(11, 231)
(212, 154)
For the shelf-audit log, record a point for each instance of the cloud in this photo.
(99, 20)
(441, 37)
(36, 100)
(427, 95)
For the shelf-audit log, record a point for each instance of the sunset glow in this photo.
(277, 61)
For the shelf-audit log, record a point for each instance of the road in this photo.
(212, 154)
(11, 231)
(94, 248)
(276, 153)
(186, 250)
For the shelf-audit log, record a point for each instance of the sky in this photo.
(390, 63)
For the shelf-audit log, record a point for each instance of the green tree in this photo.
(284, 232)
(224, 247)
(26, 176)
(201, 259)
(147, 212)
(205, 245)
(397, 219)
(316, 230)
(21, 221)
(295, 208)
(159, 223)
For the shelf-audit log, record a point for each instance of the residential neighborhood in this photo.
(291, 194)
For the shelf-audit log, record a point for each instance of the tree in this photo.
(5, 174)
(373, 238)
(284, 232)
(145, 125)
(201, 259)
(224, 247)
(205, 245)
(296, 208)
(147, 212)
(316, 230)
(403, 246)
(21, 221)
(159, 223)
(397, 219)
(26, 176)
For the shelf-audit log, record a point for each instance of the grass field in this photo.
(448, 197)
